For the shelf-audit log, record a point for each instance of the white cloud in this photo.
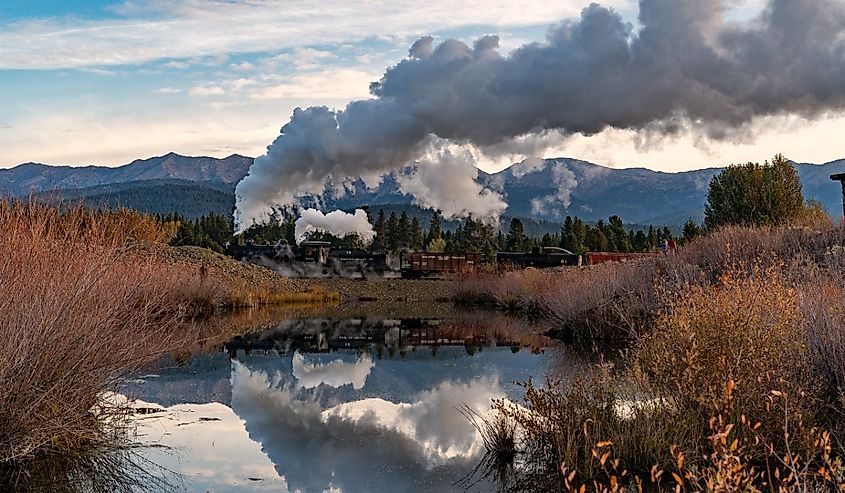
(206, 91)
(176, 64)
(804, 141)
(566, 183)
(240, 84)
(247, 111)
(158, 29)
(211, 442)
(303, 58)
(88, 136)
(98, 71)
(243, 66)
(334, 84)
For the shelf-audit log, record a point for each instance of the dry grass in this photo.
(619, 300)
(735, 365)
(79, 310)
(74, 318)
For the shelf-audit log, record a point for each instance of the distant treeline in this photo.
(749, 194)
(401, 232)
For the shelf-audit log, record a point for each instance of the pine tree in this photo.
(449, 241)
(516, 240)
(640, 241)
(415, 235)
(619, 236)
(500, 240)
(653, 240)
(691, 231)
(596, 239)
(404, 230)
(380, 241)
(393, 232)
(434, 227)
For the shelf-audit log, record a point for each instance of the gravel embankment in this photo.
(196, 258)
(383, 291)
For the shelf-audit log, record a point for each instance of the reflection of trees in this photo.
(476, 329)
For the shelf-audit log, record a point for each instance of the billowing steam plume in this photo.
(338, 223)
(687, 66)
(445, 180)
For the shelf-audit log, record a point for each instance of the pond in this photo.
(336, 405)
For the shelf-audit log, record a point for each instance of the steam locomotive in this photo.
(311, 259)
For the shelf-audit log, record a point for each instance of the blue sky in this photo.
(106, 82)
(17, 9)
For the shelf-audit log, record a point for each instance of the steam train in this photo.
(311, 259)
(320, 259)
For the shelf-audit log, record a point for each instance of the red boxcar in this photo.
(418, 264)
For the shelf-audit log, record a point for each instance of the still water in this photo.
(335, 405)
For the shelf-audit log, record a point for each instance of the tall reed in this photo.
(77, 313)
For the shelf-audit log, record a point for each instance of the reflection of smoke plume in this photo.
(565, 181)
(687, 65)
(336, 373)
(447, 182)
(424, 445)
(338, 223)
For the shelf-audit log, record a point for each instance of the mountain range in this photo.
(545, 191)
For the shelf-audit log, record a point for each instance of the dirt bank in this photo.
(384, 289)
(384, 296)
(219, 266)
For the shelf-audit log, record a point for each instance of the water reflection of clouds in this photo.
(335, 373)
(344, 421)
(366, 445)
(431, 419)
(207, 444)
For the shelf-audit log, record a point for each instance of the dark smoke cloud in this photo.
(685, 66)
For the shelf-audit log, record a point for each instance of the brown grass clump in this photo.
(74, 318)
(81, 308)
(729, 391)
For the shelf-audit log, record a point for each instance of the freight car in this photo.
(356, 260)
(414, 265)
(538, 257)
